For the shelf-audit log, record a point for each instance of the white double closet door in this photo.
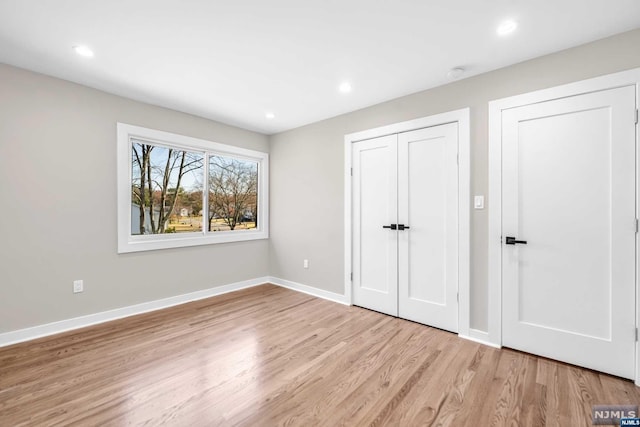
(405, 225)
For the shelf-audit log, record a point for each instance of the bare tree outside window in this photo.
(163, 184)
(233, 196)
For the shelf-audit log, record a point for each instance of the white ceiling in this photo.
(233, 61)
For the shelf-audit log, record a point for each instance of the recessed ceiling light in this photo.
(270, 116)
(345, 87)
(83, 51)
(455, 73)
(507, 27)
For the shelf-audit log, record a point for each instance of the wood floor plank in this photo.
(268, 356)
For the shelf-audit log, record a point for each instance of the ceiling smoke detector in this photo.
(455, 73)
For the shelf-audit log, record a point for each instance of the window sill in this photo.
(156, 242)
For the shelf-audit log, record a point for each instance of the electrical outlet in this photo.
(305, 264)
(78, 286)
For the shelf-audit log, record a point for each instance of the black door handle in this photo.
(513, 241)
(397, 227)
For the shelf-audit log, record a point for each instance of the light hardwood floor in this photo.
(269, 356)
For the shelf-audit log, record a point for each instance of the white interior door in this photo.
(428, 204)
(568, 182)
(375, 204)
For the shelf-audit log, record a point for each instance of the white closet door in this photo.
(375, 204)
(568, 182)
(428, 205)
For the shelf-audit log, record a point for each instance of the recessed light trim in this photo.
(506, 27)
(270, 116)
(83, 50)
(345, 87)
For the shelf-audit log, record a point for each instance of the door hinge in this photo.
(636, 116)
(636, 225)
(458, 296)
(636, 334)
(351, 171)
(457, 159)
(351, 277)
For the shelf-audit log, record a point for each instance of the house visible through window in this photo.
(182, 191)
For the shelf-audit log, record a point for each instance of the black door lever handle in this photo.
(397, 227)
(512, 241)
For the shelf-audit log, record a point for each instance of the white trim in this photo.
(596, 84)
(310, 290)
(27, 334)
(462, 117)
(480, 337)
(611, 81)
(128, 243)
(409, 125)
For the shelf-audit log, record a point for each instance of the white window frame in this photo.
(136, 243)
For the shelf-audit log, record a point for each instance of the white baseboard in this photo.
(480, 337)
(310, 290)
(21, 335)
(27, 334)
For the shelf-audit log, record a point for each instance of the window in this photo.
(176, 191)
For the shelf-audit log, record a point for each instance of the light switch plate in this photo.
(478, 202)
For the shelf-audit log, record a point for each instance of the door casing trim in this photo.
(462, 117)
(494, 200)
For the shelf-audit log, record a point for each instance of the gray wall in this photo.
(307, 163)
(58, 199)
(58, 189)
